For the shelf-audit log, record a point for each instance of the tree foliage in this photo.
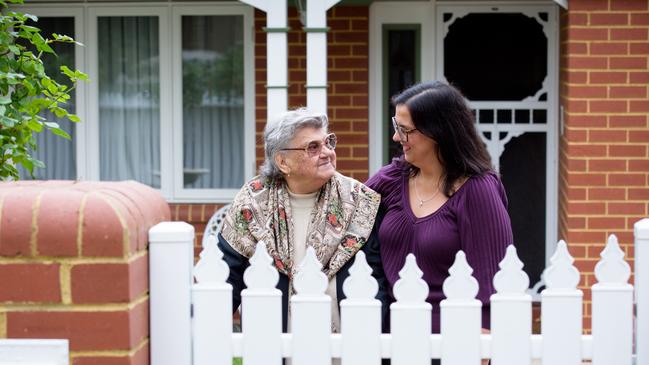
(26, 90)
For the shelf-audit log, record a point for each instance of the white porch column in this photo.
(276, 54)
(316, 53)
(641, 280)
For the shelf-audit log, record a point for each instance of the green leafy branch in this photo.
(26, 90)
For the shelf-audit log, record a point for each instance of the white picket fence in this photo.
(177, 337)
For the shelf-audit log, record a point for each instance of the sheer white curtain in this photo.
(212, 56)
(129, 99)
(58, 154)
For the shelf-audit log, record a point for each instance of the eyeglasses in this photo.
(403, 133)
(314, 148)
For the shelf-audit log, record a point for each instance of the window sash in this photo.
(222, 195)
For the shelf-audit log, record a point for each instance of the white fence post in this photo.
(511, 313)
(461, 316)
(171, 258)
(261, 311)
(641, 278)
(360, 316)
(311, 314)
(612, 308)
(212, 298)
(410, 317)
(561, 310)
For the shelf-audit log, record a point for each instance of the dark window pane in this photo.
(401, 63)
(523, 167)
(489, 61)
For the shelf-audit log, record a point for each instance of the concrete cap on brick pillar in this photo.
(171, 232)
(641, 229)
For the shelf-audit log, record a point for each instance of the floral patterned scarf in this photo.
(339, 226)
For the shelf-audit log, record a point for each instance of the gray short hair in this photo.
(281, 130)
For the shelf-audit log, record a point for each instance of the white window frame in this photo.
(221, 195)
(86, 59)
(385, 13)
(426, 15)
(93, 13)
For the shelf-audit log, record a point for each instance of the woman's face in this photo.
(308, 173)
(418, 149)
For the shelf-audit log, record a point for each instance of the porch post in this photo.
(316, 53)
(171, 259)
(641, 231)
(276, 54)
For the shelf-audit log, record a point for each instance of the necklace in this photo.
(422, 201)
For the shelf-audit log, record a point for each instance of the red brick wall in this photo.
(604, 164)
(73, 264)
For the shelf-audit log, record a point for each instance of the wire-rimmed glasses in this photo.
(314, 148)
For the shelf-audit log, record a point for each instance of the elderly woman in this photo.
(300, 201)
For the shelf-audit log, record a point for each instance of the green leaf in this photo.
(38, 163)
(66, 70)
(34, 125)
(5, 99)
(51, 124)
(80, 75)
(60, 132)
(59, 112)
(7, 122)
(14, 49)
(29, 28)
(74, 118)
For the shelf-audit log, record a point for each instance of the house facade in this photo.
(179, 92)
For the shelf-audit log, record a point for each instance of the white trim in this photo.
(180, 193)
(381, 13)
(45, 352)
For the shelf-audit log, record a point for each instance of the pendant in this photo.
(421, 203)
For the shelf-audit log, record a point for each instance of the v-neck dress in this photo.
(474, 220)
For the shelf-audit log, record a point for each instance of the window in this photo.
(401, 70)
(170, 102)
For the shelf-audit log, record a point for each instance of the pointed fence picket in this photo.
(410, 341)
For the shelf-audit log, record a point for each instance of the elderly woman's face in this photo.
(307, 172)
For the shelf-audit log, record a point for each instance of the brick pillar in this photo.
(604, 163)
(74, 265)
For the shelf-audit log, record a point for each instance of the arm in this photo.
(238, 264)
(485, 232)
(373, 255)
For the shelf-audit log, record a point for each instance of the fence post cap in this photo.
(171, 232)
(641, 229)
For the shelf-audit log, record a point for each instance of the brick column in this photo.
(604, 163)
(74, 265)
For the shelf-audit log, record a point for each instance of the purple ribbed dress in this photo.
(474, 220)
